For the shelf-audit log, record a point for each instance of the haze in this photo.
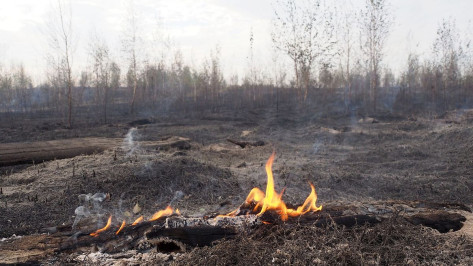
(197, 27)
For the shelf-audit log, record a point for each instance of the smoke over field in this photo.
(147, 156)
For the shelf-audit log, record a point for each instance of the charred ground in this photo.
(349, 158)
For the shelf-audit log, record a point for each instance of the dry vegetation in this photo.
(349, 160)
(358, 132)
(392, 242)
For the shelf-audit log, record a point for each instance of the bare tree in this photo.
(6, 88)
(130, 43)
(388, 78)
(251, 78)
(279, 75)
(115, 72)
(410, 80)
(101, 70)
(60, 40)
(216, 81)
(304, 30)
(347, 36)
(447, 51)
(467, 62)
(21, 85)
(376, 21)
(84, 83)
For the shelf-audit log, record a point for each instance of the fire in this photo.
(137, 221)
(166, 212)
(109, 223)
(121, 227)
(162, 213)
(256, 195)
(271, 200)
(263, 201)
(309, 204)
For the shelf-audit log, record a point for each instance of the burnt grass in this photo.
(392, 242)
(348, 159)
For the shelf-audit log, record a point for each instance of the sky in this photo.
(197, 27)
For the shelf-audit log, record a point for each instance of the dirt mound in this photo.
(152, 184)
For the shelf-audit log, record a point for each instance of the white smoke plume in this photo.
(90, 204)
(130, 146)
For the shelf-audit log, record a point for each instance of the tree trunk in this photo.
(70, 105)
(132, 111)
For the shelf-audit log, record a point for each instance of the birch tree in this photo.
(447, 51)
(61, 40)
(101, 72)
(376, 21)
(130, 43)
(347, 36)
(304, 30)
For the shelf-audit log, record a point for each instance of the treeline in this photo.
(335, 60)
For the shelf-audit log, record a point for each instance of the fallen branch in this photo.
(176, 233)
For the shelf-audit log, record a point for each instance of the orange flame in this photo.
(256, 195)
(166, 212)
(109, 223)
(121, 227)
(271, 200)
(178, 212)
(137, 221)
(309, 204)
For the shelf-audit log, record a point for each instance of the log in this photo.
(244, 144)
(29, 152)
(193, 236)
(176, 233)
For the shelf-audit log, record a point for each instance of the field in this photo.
(351, 159)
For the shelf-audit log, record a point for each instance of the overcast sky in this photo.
(197, 26)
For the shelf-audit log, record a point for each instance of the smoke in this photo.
(147, 169)
(177, 196)
(353, 119)
(90, 205)
(388, 98)
(317, 146)
(81, 212)
(129, 144)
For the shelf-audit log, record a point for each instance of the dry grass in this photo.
(393, 242)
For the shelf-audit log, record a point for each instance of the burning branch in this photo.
(168, 211)
(109, 223)
(121, 227)
(272, 201)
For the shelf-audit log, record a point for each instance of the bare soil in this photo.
(349, 158)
